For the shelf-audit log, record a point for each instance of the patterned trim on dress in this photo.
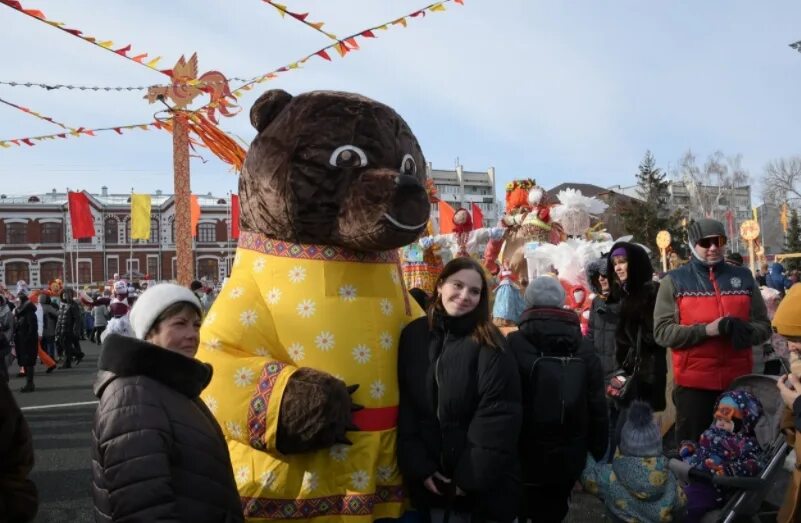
(699, 294)
(309, 251)
(257, 411)
(337, 505)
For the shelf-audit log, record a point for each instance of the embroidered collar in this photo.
(308, 251)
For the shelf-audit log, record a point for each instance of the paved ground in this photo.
(62, 438)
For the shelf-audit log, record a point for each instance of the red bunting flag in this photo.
(446, 213)
(80, 215)
(322, 54)
(478, 217)
(368, 34)
(235, 216)
(194, 214)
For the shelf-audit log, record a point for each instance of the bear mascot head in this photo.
(304, 335)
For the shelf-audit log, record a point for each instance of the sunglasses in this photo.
(719, 241)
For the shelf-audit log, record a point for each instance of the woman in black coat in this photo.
(635, 289)
(26, 339)
(18, 496)
(460, 412)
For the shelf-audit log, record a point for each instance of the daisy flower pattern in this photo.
(234, 429)
(362, 354)
(267, 479)
(213, 344)
(211, 404)
(297, 274)
(347, 293)
(339, 453)
(248, 318)
(324, 341)
(210, 318)
(386, 307)
(377, 389)
(306, 308)
(385, 340)
(261, 351)
(258, 265)
(296, 352)
(243, 377)
(273, 296)
(242, 475)
(385, 473)
(393, 273)
(310, 481)
(359, 480)
(236, 293)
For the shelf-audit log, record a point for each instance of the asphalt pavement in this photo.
(60, 414)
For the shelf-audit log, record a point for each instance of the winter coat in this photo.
(602, 332)
(50, 312)
(70, 320)
(776, 279)
(157, 453)
(636, 321)
(26, 334)
(695, 295)
(635, 488)
(557, 332)
(790, 511)
(460, 415)
(18, 496)
(100, 314)
(6, 328)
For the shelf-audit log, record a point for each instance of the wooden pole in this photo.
(183, 195)
(751, 260)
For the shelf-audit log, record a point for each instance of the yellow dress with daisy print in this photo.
(291, 305)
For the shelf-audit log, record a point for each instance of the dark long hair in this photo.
(640, 271)
(484, 332)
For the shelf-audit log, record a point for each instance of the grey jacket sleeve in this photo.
(134, 438)
(667, 331)
(759, 318)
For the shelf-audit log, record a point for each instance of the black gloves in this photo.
(737, 330)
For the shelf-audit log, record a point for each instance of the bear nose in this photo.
(406, 181)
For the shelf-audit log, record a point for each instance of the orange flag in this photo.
(446, 213)
(194, 213)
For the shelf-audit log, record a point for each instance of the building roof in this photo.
(587, 189)
(108, 200)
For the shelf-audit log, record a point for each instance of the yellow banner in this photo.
(140, 217)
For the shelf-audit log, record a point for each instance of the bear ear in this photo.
(268, 107)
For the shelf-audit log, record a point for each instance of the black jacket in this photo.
(460, 415)
(26, 334)
(557, 332)
(602, 332)
(18, 498)
(69, 320)
(158, 453)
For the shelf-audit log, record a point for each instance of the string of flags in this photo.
(35, 114)
(52, 87)
(76, 133)
(301, 17)
(108, 45)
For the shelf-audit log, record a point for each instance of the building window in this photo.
(17, 233)
(206, 232)
(111, 234)
(154, 230)
(16, 271)
(112, 267)
(51, 233)
(132, 265)
(84, 271)
(208, 268)
(49, 271)
(153, 266)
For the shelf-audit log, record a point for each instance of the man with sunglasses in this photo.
(709, 313)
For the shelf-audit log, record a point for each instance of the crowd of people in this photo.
(545, 405)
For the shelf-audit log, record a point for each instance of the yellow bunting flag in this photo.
(756, 215)
(782, 216)
(140, 216)
(437, 7)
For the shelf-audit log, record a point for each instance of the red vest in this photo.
(704, 294)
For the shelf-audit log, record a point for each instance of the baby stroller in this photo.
(758, 497)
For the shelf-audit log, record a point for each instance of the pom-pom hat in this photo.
(154, 301)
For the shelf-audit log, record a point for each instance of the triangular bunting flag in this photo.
(322, 54)
(352, 43)
(436, 7)
(400, 21)
(368, 34)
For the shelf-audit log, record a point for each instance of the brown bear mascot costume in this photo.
(304, 335)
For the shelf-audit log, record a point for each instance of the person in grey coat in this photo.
(158, 454)
(50, 317)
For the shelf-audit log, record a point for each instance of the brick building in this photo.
(36, 242)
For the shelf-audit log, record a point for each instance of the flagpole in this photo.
(230, 232)
(66, 237)
(130, 238)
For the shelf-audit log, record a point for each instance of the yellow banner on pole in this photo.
(140, 216)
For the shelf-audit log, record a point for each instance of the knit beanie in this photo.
(545, 291)
(704, 228)
(640, 436)
(787, 320)
(154, 301)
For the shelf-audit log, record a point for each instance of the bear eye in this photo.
(408, 165)
(348, 157)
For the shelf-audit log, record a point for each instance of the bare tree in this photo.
(781, 181)
(713, 186)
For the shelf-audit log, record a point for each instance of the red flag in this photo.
(194, 214)
(446, 213)
(478, 217)
(80, 216)
(234, 216)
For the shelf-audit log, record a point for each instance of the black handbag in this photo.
(622, 386)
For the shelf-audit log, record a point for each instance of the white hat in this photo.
(156, 300)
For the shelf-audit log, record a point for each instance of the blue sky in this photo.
(557, 91)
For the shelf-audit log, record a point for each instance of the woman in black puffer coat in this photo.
(460, 412)
(26, 339)
(635, 289)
